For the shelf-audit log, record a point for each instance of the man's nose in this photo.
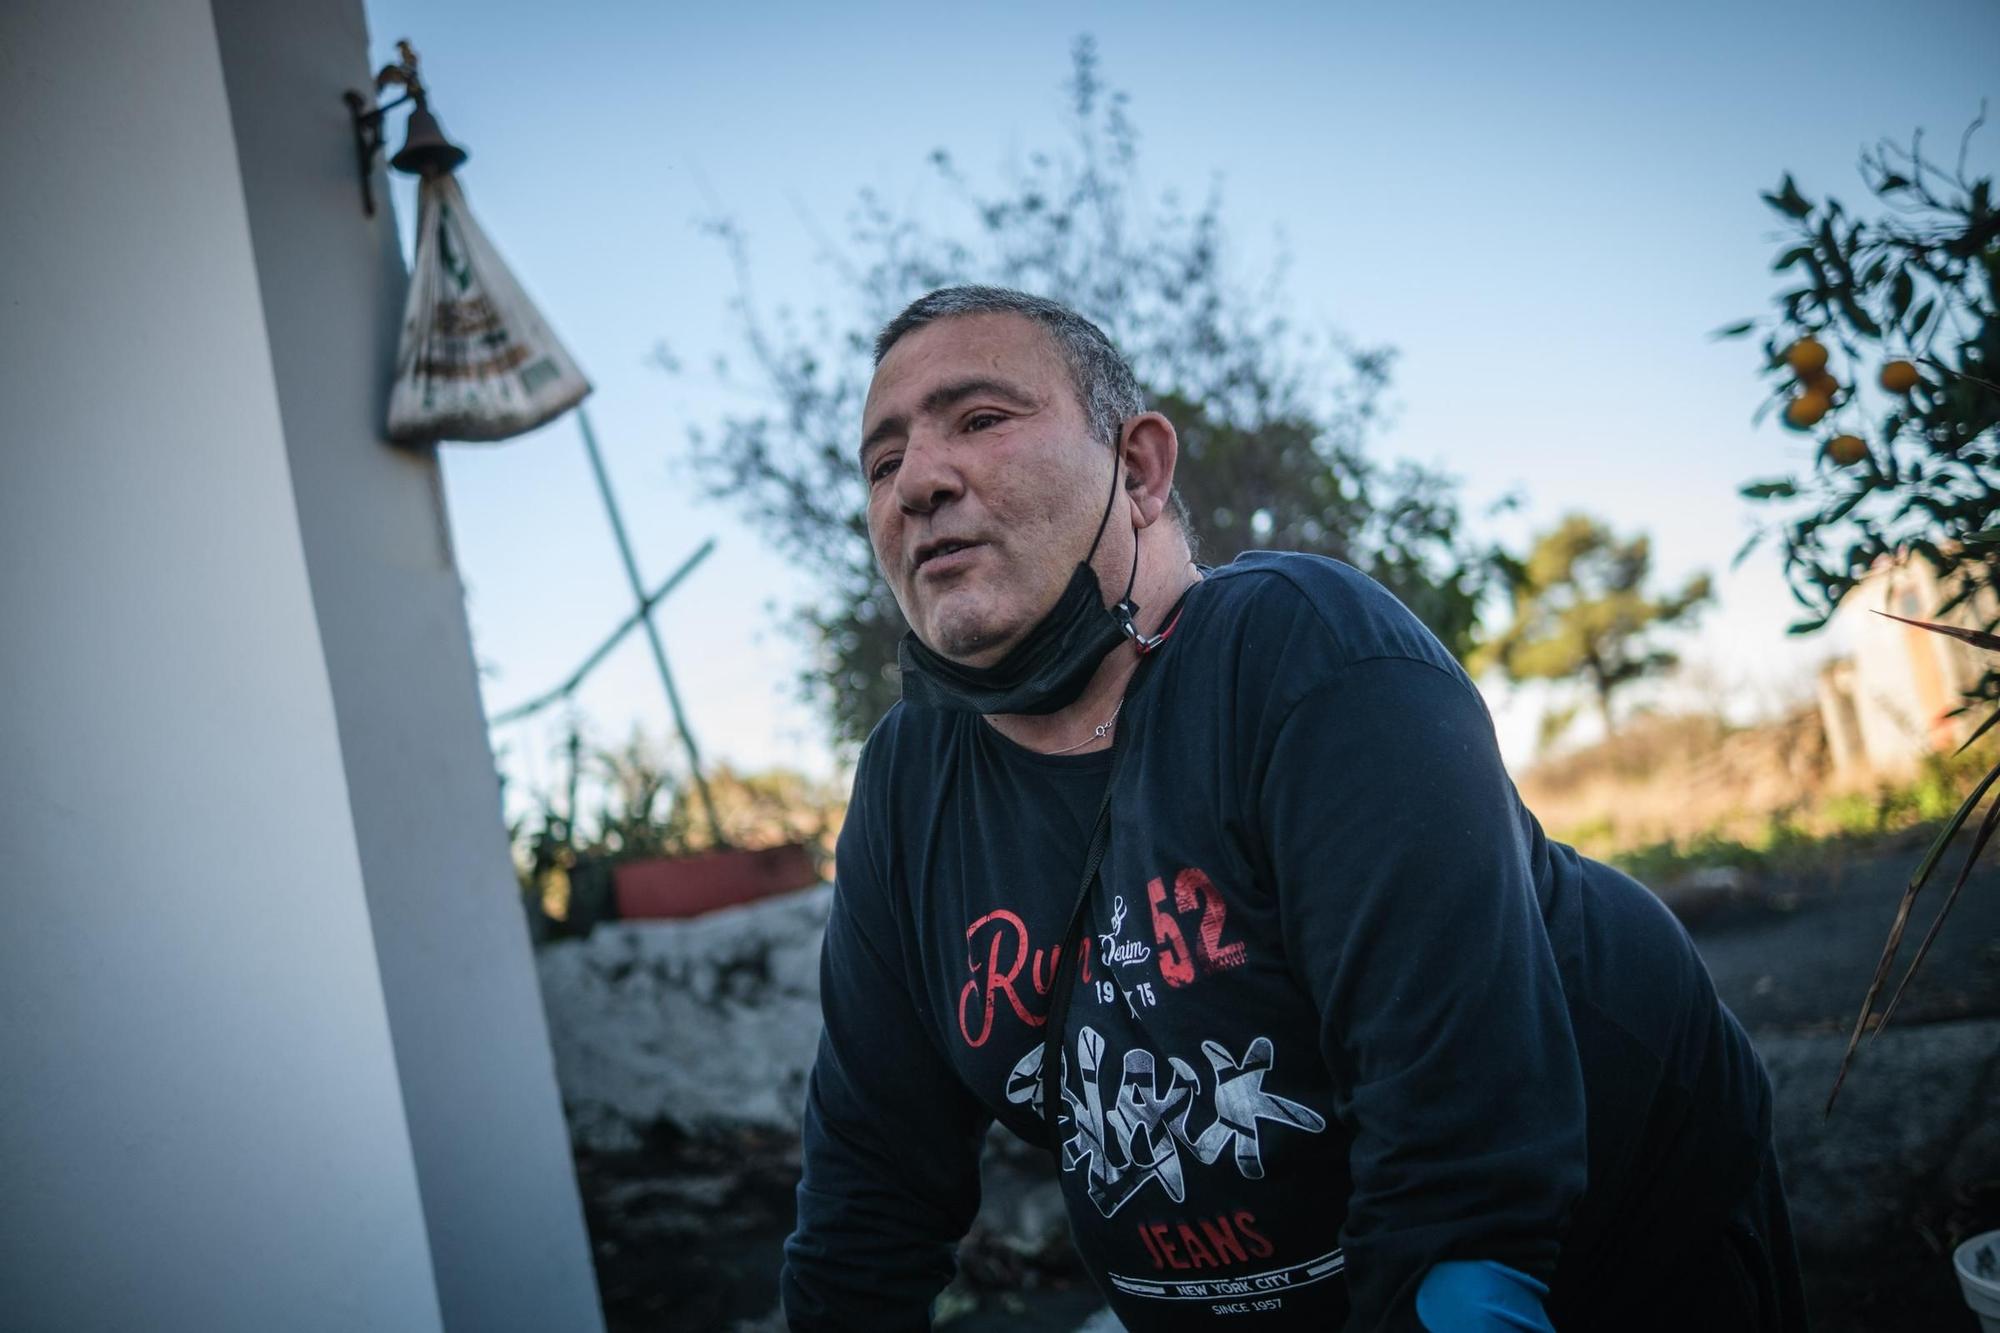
(926, 478)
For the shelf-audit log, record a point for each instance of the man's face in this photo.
(984, 484)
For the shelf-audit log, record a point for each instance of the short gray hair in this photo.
(1105, 386)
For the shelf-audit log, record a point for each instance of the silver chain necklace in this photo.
(1097, 733)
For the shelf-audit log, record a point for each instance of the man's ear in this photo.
(1150, 448)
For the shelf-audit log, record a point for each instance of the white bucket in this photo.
(1977, 1263)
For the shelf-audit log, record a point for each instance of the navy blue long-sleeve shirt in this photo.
(1342, 1011)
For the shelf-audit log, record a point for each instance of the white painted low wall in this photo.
(691, 1025)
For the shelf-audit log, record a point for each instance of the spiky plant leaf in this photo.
(1977, 638)
(1979, 731)
(1986, 827)
(1894, 943)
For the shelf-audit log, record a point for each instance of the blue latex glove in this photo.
(1480, 1296)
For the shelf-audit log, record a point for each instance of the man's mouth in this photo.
(943, 557)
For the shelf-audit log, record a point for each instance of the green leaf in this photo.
(1793, 256)
(1983, 536)
(1734, 330)
(1788, 200)
(1820, 286)
(1845, 507)
(1900, 294)
(1856, 316)
(1769, 490)
(1922, 316)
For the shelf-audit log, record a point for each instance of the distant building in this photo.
(1892, 702)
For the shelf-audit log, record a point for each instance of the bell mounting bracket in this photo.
(368, 119)
(368, 139)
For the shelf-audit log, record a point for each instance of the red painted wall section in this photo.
(689, 886)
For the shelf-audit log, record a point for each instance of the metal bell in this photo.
(426, 152)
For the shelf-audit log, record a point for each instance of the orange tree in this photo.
(1887, 353)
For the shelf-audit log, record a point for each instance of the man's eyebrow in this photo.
(942, 399)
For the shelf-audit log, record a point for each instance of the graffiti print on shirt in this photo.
(1139, 1138)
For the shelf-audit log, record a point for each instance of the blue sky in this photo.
(1544, 208)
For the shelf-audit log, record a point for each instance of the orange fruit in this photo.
(1805, 410)
(1846, 450)
(1806, 357)
(1823, 384)
(1900, 377)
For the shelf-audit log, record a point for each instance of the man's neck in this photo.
(1083, 726)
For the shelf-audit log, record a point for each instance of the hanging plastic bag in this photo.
(477, 361)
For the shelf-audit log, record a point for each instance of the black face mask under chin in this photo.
(1047, 670)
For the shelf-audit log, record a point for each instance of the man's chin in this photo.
(971, 644)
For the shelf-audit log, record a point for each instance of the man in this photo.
(1211, 881)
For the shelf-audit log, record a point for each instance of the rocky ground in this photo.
(1908, 1162)
(682, 1050)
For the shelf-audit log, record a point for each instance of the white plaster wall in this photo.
(492, 1153)
(200, 1121)
(1894, 718)
(1886, 704)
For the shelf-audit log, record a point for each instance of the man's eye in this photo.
(883, 467)
(981, 420)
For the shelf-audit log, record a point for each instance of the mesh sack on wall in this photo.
(477, 360)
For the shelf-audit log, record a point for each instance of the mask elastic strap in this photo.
(1126, 609)
(1110, 502)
